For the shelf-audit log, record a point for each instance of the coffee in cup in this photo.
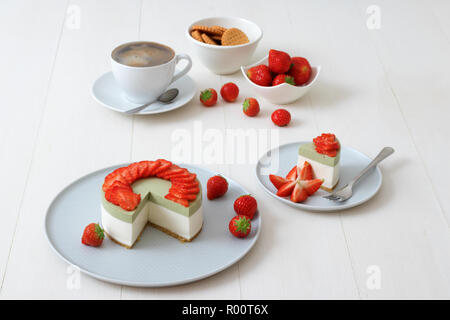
(142, 54)
(144, 69)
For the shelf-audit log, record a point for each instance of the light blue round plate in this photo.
(281, 160)
(157, 259)
(107, 92)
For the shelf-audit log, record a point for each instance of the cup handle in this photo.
(186, 69)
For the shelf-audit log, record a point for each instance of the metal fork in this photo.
(346, 191)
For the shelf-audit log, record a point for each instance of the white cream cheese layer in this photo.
(127, 233)
(187, 227)
(121, 231)
(321, 171)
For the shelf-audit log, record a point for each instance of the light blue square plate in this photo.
(282, 159)
(157, 259)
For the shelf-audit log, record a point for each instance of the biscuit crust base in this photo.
(328, 189)
(170, 233)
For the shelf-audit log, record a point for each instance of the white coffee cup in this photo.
(142, 84)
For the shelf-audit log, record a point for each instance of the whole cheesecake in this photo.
(156, 193)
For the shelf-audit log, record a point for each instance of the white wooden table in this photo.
(384, 82)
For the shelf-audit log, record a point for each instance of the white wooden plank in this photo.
(299, 255)
(418, 71)
(402, 230)
(152, 135)
(77, 136)
(29, 44)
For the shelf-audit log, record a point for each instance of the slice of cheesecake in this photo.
(323, 154)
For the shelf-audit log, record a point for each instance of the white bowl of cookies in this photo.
(224, 44)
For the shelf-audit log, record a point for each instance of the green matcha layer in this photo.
(154, 190)
(308, 150)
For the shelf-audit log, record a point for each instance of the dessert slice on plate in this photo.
(323, 154)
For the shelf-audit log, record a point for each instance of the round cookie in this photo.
(233, 37)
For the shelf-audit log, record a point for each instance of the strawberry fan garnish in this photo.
(298, 184)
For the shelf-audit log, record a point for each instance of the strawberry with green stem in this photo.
(240, 226)
(93, 235)
(250, 107)
(208, 97)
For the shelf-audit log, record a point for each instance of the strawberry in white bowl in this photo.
(281, 79)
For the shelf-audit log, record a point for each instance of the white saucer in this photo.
(106, 92)
(351, 163)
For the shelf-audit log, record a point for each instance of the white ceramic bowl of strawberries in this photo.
(285, 92)
(226, 59)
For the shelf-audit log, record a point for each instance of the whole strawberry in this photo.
(300, 70)
(279, 61)
(246, 205)
(93, 235)
(260, 75)
(216, 187)
(283, 78)
(229, 92)
(208, 97)
(240, 226)
(250, 107)
(281, 117)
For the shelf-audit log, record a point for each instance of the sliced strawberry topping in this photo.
(152, 167)
(134, 171)
(164, 165)
(184, 174)
(118, 190)
(277, 181)
(109, 180)
(126, 174)
(286, 189)
(187, 196)
(143, 168)
(292, 175)
(307, 171)
(189, 179)
(299, 194)
(168, 174)
(327, 144)
(123, 197)
(174, 169)
(120, 184)
(194, 190)
(185, 185)
(113, 176)
(171, 197)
